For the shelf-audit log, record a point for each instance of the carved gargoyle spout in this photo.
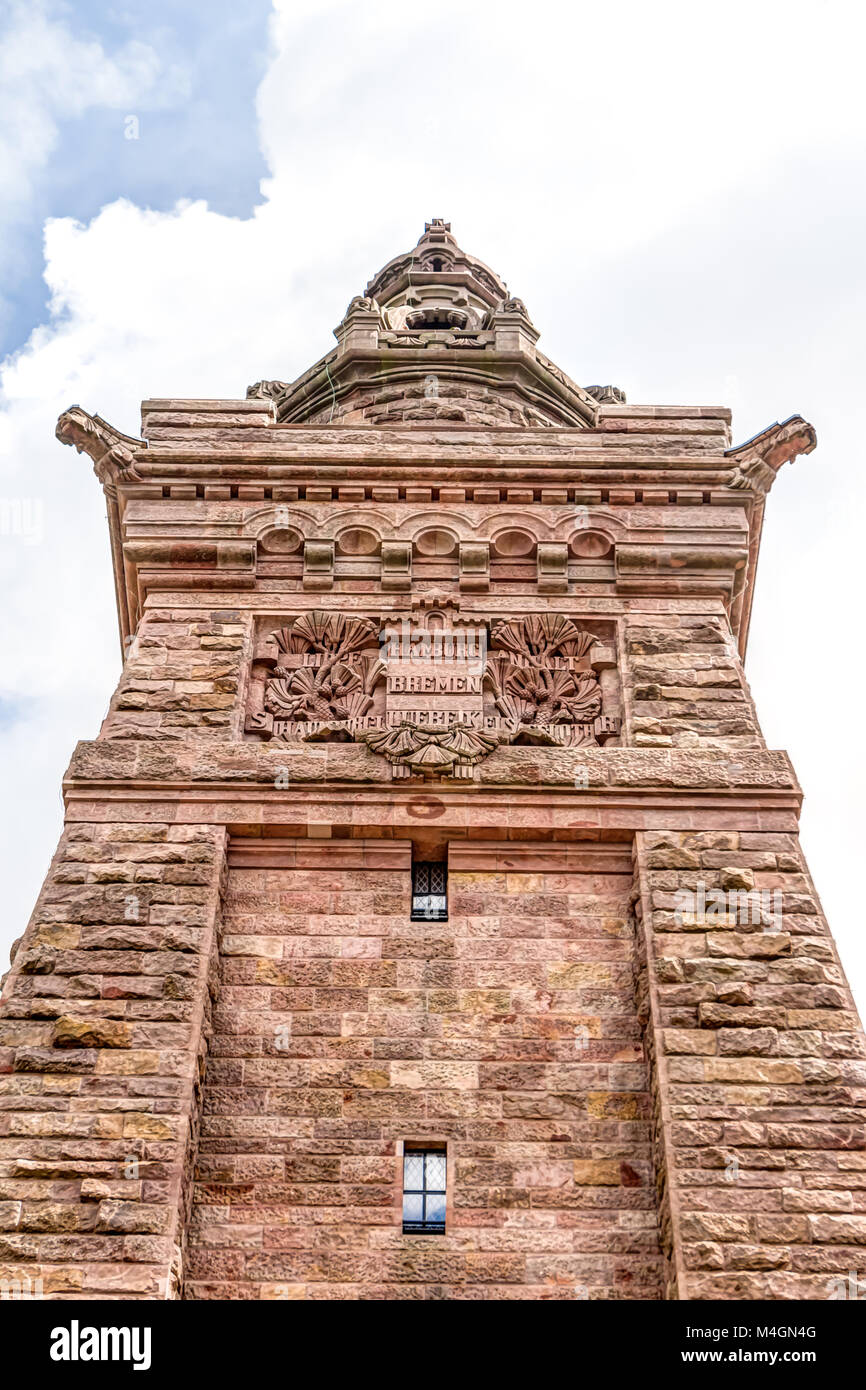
(113, 453)
(757, 462)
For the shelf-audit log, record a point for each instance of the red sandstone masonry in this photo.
(760, 1076)
(685, 685)
(717, 1107)
(183, 672)
(100, 1050)
(508, 1032)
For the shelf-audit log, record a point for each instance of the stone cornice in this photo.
(634, 457)
(642, 438)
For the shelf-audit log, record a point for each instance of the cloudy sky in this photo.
(192, 193)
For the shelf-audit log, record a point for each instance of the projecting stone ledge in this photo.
(134, 762)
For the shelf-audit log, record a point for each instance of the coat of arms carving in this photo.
(433, 694)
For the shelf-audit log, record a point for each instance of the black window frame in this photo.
(424, 1227)
(426, 873)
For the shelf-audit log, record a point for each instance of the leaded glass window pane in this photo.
(413, 1172)
(424, 1178)
(435, 1208)
(435, 1174)
(429, 892)
(413, 1207)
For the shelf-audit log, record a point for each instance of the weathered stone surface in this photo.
(631, 1034)
(516, 1038)
(90, 1032)
(112, 1116)
(765, 1056)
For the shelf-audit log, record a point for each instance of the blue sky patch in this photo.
(193, 136)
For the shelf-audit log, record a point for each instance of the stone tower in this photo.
(429, 919)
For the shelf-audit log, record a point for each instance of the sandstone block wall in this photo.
(508, 1032)
(183, 672)
(760, 1069)
(636, 1102)
(101, 1048)
(685, 685)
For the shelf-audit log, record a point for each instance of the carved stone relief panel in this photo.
(435, 691)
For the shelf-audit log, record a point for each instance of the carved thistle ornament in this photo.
(322, 672)
(426, 693)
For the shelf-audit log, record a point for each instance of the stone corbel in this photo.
(606, 395)
(756, 463)
(199, 554)
(397, 565)
(236, 555)
(318, 565)
(474, 566)
(186, 555)
(113, 453)
(552, 563)
(602, 658)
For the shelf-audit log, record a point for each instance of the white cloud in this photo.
(672, 196)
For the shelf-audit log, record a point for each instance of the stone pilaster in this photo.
(758, 1068)
(102, 1033)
